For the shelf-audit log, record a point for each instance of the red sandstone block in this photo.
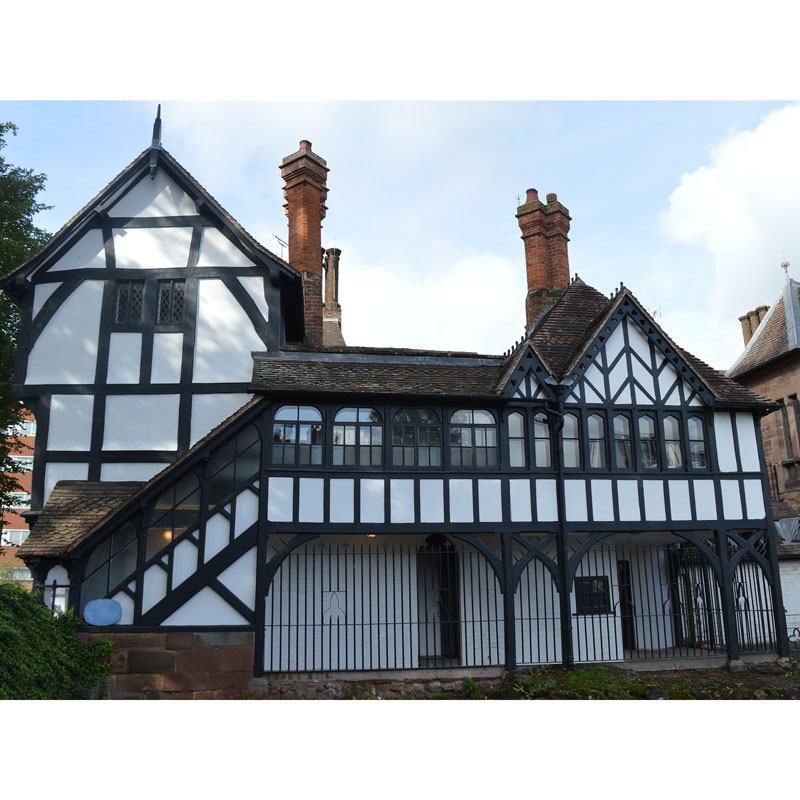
(229, 680)
(236, 659)
(195, 681)
(182, 696)
(202, 659)
(207, 695)
(140, 641)
(180, 641)
(132, 684)
(172, 682)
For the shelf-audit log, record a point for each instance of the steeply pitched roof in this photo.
(73, 508)
(111, 193)
(776, 336)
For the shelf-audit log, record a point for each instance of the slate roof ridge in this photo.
(355, 350)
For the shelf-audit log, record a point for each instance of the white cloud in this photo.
(742, 208)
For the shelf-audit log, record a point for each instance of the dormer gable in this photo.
(525, 376)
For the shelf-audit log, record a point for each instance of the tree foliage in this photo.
(41, 654)
(19, 239)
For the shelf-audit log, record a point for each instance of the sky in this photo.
(691, 205)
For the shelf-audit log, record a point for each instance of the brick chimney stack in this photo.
(305, 191)
(750, 322)
(332, 309)
(544, 231)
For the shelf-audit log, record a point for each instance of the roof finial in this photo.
(785, 266)
(156, 145)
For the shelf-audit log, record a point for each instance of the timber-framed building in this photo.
(215, 465)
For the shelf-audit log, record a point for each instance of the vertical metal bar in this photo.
(509, 620)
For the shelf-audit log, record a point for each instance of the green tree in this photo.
(19, 239)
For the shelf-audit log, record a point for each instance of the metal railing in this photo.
(413, 603)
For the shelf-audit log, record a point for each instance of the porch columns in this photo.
(509, 620)
(728, 602)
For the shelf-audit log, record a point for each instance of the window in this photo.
(176, 510)
(597, 441)
(648, 447)
(592, 595)
(234, 465)
(20, 499)
(170, 302)
(571, 441)
(672, 442)
(787, 434)
(416, 438)
(13, 538)
(297, 435)
(622, 442)
(358, 437)
(697, 443)
(541, 441)
(24, 463)
(129, 302)
(110, 563)
(516, 439)
(473, 439)
(28, 428)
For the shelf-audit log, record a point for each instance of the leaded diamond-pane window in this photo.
(171, 295)
(129, 302)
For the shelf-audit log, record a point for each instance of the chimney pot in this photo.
(552, 197)
(762, 312)
(747, 331)
(532, 196)
(305, 144)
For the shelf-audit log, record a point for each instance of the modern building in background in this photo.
(216, 468)
(14, 530)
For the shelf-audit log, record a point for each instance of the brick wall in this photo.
(190, 666)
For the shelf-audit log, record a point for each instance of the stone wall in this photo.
(191, 666)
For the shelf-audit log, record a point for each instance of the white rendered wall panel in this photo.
(124, 357)
(206, 608)
(70, 422)
(666, 379)
(225, 337)
(575, 500)
(87, 253)
(160, 196)
(247, 507)
(402, 500)
(520, 491)
(628, 501)
(342, 500)
(240, 578)
(312, 493)
(208, 410)
(602, 501)
(254, 286)
(372, 490)
(216, 250)
(66, 350)
(129, 471)
(705, 501)
(726, 454)
(63, 471)
(281, 495)
(152, 248)
(41, 292)
(141, 422)
(126, 604)
(218, 536)
(184, 561)
(461, 501)
(167, 355)
(679, 504)
(154, 587)
(748, 445)
(546, 502)
(431, 500)
(490, 506)
(654, 508)
(754, 499)
(731, 499)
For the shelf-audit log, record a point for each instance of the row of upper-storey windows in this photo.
(415, 439)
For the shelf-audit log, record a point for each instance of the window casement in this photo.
(623, 445)
(129, 303)
(110, 563)
(13, 538)
(592, 595)
(416, 438)
(473, 439)
(175, 511)
(297, 435)
(516, 439)
(23, 463)
(787, 434)
(697, 443)
(570, 435)
(648, 445)
(171, 296)
(542, 451)
(19, 499)
(672, 442)
(358, 437)
(597, 441)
